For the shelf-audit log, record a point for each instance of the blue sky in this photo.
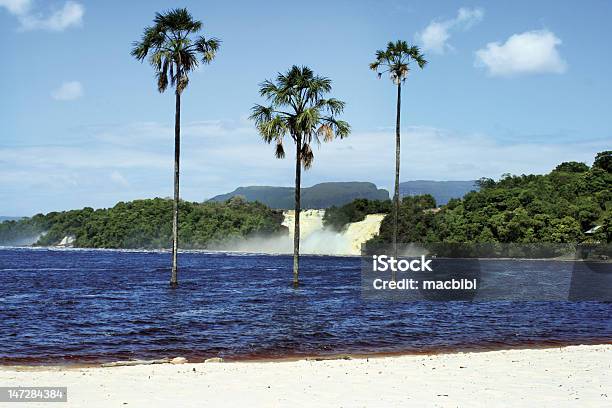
(510, 87)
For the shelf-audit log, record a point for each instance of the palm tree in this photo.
(297, 108)
(174, 50)
(395, 60)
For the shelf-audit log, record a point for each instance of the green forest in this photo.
(558, 207)
(338, 217)
(147, 224)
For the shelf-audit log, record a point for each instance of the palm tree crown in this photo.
(172, 51)
(395, 60)
(297, 108)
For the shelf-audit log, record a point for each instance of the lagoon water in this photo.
(86, 306)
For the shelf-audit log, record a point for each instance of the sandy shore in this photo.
(577, 376)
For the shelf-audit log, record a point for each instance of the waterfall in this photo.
(315, 239)
(311, 221)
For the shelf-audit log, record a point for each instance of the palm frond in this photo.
(308, 118)
(339, 128)
(333, 106)
(162, 75)
(297, 106)
(178, 19)
(280, 150)
(307, 156)
(207, 48)
(260, 114)
(271, 125)
(187, 59)
(395, 60)
(171, 50)
(326, 131)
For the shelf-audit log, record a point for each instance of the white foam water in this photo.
(315, 239)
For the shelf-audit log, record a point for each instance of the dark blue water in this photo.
(81, 306)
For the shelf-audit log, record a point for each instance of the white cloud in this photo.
(71, 14)
(119, 179)
(466, 17)
(68, 91)
(17, 7)
(94, 170)
(83, 158)
(531, 52)
(435, 36)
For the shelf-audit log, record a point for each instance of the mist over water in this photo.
(22, 241)
(315, 239)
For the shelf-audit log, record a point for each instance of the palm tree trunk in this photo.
(396, 194)
(296, 222)
(177, 155)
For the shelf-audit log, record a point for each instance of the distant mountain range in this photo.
(6, 218)
(321, 195)
(442, 191)
(325, 195)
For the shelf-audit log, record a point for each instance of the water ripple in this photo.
(62, 306)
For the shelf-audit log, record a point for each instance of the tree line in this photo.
(147, 224)
(572, 203)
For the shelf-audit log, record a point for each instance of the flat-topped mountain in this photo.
(442, 191)
(322, 195)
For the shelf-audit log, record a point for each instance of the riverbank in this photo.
(568, 376)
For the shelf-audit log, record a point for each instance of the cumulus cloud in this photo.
(435, 36)
(531, 52)
(70, 15)
(68, 91)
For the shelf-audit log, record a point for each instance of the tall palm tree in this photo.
(175, 49)
(297, 108)
(395, 61)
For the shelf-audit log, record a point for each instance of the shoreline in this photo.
(180, 251)
(572, 375)
(76, 364)
(245, 253)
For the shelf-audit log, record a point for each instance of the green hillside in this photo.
(557, 207)
(145, 224)
(321, 195)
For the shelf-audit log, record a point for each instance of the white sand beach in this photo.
(576, 376)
